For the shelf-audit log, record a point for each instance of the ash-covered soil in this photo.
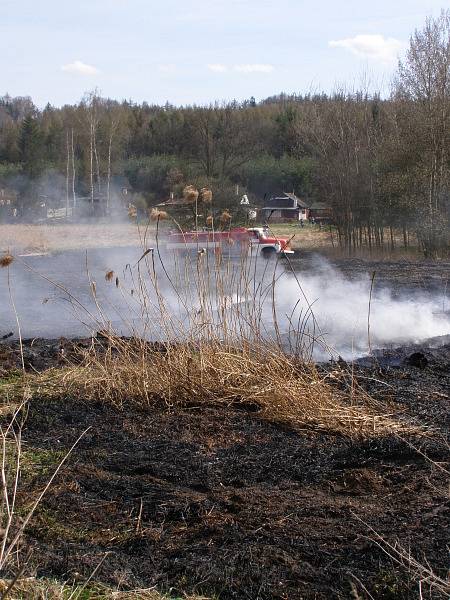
(400, 276)
(221, 502)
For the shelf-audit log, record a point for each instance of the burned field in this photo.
(225, 467)
(224, 502)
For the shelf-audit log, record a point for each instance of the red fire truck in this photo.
(233, 242)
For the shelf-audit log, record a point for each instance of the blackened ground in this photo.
(224, 503)
(400, 276)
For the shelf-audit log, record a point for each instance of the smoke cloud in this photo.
(333, 307)
(341, 310)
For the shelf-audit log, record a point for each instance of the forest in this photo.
(381, 162)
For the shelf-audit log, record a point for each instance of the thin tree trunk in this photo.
(108, 184)
(97, 165)
(91, 159)
(73, 173)
(67, 173)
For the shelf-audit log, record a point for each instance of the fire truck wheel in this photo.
(268, 253)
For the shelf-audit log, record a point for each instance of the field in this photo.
(217, 467)
(53, 238)
(223, 500)
(30, 239)
(60, 237)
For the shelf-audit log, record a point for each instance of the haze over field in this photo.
(54, 296)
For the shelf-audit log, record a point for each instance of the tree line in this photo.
(381, 164)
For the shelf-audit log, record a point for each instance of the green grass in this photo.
(39, 461)
(10, 377)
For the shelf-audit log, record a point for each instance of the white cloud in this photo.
(257, 68)
(81, 68)
(375, 47)
(217, 68)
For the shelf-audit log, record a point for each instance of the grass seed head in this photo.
(109, 275)
(6, 260)
(206, 195)
(158, 215)
(225, 217)
(190, 194)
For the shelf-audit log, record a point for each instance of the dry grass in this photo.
(51, 238)
(30, 588)
(190, 194)
(158, 215)
(206, 195)
(219, 350)
(306, 238)
(312, 238)
(282, 388)
(217, 355)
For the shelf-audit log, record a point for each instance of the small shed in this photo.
(287, 207)
(321, 212)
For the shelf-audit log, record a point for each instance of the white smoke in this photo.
(341, 310)
(335, 307)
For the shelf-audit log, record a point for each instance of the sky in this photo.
(201, 51)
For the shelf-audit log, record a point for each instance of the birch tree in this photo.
(424, 80)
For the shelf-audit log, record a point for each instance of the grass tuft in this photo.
(281, 388)
(31, 588)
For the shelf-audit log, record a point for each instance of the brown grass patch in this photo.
(281, 388)
(30, 588)
(49, 238)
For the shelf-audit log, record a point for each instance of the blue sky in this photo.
(199, 51)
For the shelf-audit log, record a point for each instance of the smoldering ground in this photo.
(76, 293)
(356, 314)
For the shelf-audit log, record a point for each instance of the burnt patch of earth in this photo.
(414, 277)
(221, 502)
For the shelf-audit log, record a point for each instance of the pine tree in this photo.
(31, 147)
